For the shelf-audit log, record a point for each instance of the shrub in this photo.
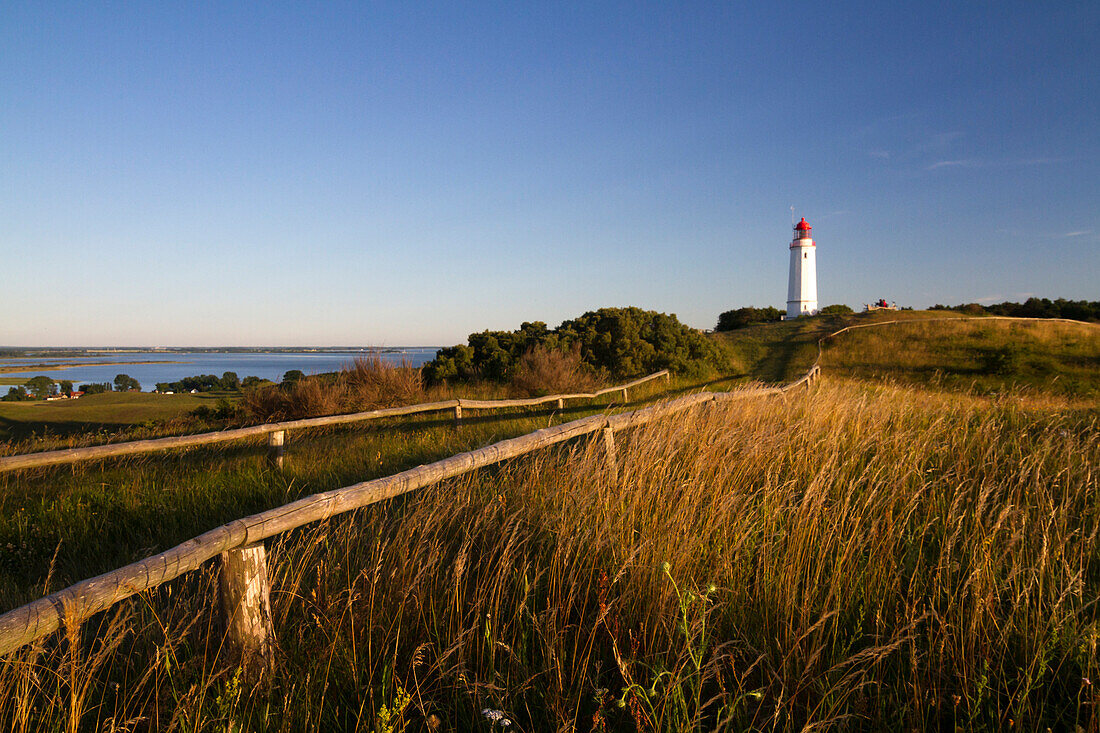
(372, 382)
(368, 384)
(543, 371)
(838, 309)
(732, 320)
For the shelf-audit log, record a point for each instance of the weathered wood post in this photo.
(561, 404)
(668, 377)
(246, 605)
(458, 414)
(276, 448)
(611, 453)
(625, 399)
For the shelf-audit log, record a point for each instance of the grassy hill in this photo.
(980, 355)
(784, 350)
(926, 347)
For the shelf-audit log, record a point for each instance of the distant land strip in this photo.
(5, 368)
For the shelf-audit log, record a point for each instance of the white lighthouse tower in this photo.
(802, 286)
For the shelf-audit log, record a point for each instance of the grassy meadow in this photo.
(912, 544)
(784, 350)
(981, 355)
(109, 412)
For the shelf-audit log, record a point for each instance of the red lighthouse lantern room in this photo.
(802, 230)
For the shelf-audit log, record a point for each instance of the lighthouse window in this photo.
(805, 255)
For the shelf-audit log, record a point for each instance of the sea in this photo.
(174, 366)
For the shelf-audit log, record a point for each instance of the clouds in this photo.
(1007, 163)
(905, 148)
(905, 143)
(953, 164)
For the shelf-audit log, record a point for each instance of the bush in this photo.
(372, 382)
(735, 319)
(544, 371)
(223, 410)
(836, 310)
(369, 384)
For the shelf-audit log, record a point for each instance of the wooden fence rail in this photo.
(75, 455)
(28, 623)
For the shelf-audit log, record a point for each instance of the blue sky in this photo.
(406, 173)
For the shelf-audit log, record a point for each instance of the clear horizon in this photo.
(348, 174)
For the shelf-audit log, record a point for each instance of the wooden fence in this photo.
(240, 542)
(277, 431)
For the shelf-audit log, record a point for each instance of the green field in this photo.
(108, 411)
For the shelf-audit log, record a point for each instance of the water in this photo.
(189, 364)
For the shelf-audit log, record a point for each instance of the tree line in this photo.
(42, 387)
(1077, 310)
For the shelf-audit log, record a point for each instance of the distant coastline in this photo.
(153, 365)
(7, 368)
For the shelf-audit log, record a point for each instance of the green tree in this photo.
(292, 376)
(95, 388)
(15, 394)
(230, 381)
(40, 386)
(66, 387)
(125, 383)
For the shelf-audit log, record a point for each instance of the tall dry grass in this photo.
(855, 558)
(545, 371)
(369, 383)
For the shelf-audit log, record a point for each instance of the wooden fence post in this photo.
(611, 453)
(561, 404)
(246, 604)
(276, 448)
(458, 414)
(625, 398)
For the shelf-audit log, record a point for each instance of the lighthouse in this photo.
(802, 286)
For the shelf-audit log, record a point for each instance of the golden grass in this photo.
(983, 355)
(367, 384)
(857, 557)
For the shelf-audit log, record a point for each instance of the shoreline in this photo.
(19, 368)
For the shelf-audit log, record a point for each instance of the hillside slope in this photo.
(926, 347)
(783, 351)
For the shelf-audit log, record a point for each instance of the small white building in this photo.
(802, 285)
